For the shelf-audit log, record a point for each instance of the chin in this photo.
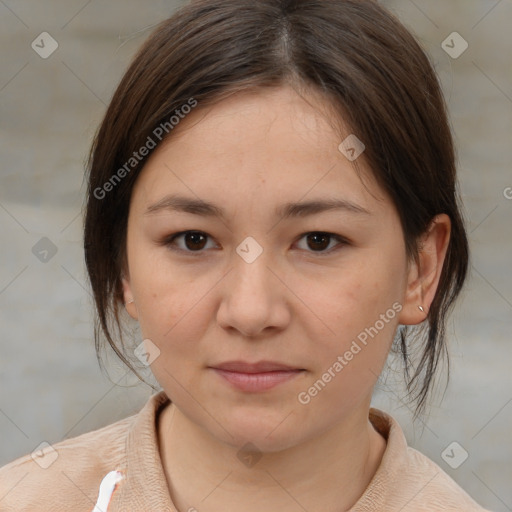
(261, 427)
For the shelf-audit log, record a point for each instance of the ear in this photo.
(131, 308)
(424, 274)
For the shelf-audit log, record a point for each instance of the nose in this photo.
(254, 299)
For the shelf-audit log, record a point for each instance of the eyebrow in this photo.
(206, 209)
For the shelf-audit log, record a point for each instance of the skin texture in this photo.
(297, 303)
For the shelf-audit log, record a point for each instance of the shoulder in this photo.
(66, 474)
(437, 490)
(408, 480)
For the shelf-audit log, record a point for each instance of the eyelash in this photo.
(168, 242)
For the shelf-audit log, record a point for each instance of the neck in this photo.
(328, 473)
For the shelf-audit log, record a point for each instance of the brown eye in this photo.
(319, 241)
(193, 241)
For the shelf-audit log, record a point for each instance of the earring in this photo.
(421, 309)
(126, 303)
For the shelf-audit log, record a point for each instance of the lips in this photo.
(260, 367)
(255, 377)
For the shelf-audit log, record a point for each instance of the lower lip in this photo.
(257, 381)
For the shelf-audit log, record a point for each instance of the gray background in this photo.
(51, 386)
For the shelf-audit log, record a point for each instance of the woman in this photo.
(272, 197)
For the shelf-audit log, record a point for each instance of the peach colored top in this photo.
(118, 469)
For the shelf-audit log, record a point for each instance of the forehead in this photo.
(257, 117)
(274, 141)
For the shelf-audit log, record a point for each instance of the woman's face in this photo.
(262, 281)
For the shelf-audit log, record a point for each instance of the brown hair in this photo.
(355, 53)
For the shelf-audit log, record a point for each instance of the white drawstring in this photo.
(107, 486)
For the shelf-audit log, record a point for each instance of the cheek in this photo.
(174, 318)
(353, 297)
(169, 304)
(346, 366)
(358, 308)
